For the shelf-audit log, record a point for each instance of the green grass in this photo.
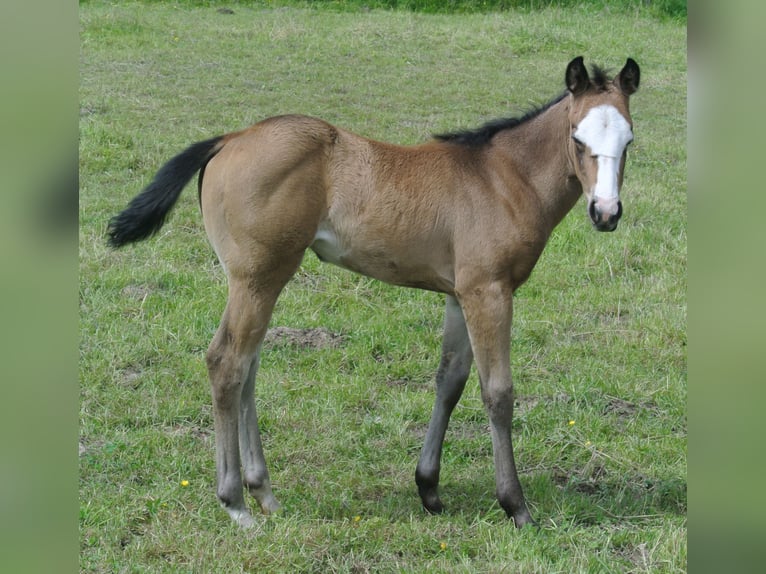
(660, 8)
(599, 330)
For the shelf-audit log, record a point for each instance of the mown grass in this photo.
(599, 331)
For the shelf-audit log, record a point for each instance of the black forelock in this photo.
(599, 77)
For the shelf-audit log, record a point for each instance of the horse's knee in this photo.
(498, 398)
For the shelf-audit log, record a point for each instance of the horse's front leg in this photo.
(453, 372)
(488, 310)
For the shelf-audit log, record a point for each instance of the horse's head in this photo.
(600, 130)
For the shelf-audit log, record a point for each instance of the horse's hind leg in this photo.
(228, 366)
(453, 373)
(256, 477)
(232, 360)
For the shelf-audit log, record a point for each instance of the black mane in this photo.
(484, 134)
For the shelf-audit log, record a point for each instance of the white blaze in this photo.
(606, 132)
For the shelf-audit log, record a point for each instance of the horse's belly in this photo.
(381, 261)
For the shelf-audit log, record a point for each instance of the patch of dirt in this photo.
(320, 338)
(204, 435)
(625, 409)
(139, 292)
(130, 377)
(589, 480)
(587, 487)
(620, 408)
(559, 477)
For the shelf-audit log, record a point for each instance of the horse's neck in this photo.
(538, 149)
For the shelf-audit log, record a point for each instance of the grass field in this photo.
(346, 386)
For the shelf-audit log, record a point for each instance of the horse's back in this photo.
(293, 182)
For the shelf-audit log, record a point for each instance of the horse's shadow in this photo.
(628, 497)
(554, 498)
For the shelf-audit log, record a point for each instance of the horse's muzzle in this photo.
(605, 214)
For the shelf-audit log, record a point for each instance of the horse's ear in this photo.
(629, 77)
(577, 76)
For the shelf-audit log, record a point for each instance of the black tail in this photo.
(146, 212)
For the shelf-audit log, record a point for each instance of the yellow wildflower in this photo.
(184, 483)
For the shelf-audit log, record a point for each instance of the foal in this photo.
(466, 214)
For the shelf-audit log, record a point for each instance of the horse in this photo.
(466, 214)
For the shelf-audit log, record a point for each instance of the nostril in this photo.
(592, 212)
(613, 219)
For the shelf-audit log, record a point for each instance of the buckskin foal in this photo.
(466, 214)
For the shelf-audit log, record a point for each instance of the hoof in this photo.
(261, 491)
(434, 508)
(241, 518)
(269, 505)
(523, 518)
(431, 501)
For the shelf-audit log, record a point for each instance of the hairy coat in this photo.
(467, 214)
